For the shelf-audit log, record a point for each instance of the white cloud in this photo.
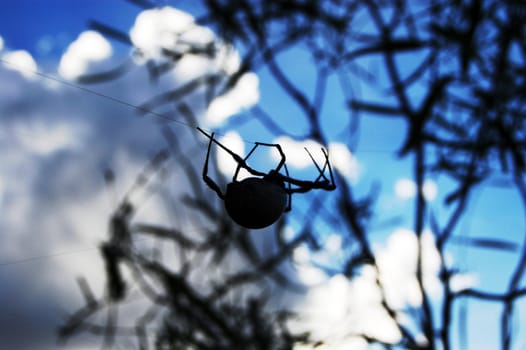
(344, 161)
(170, 29)
(340, 310)
(175, 30)
(1, 195)
(301, 254)
(191, 67)
(228, 59)
(333, 243)
(158, 28)
(310, 275)
(397, 262)
(430, 189)
(1, 43)
(44, 138)
(90, 47)
(406, 189)
(459, 282)
(21, 61)
(243, 95)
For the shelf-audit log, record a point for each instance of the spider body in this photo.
(259, 201)
(255, 202)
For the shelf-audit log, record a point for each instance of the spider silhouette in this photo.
(259, 201)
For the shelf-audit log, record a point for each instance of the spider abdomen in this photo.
(254, 202)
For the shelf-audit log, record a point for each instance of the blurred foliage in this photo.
(462, 99)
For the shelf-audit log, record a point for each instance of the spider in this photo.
(259, 201)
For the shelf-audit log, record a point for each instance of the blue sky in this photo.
(60, 139)
(45, 28)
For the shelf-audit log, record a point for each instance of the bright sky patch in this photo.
(90, 47)
(244, 94)
(43, 139)
(406, 189)
(158, 28)
(21, 61)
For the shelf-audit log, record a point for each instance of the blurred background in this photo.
(110, 238)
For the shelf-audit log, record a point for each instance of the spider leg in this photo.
(278, 147)
(206, 178)
(245, 165)
(288, 190)
(240, 161)
(302, 186)
(280, 150)
(300, 189)
(332, 185)
(330, 181)
(320, 170)
(239, 165)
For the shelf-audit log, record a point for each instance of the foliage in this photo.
(462, 100)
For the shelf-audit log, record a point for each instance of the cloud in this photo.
(306, 272)
(160, 28)
(1, 43)
(90, 47)
(243, 95)
(2, 187)
(170, 29)
(344, 161)
(339, 310)
(397, 263)
(430, 189)
(307, 262)
(22, 62)
(459, 282)
(406, 189)
(333, 243)
(44, 138)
